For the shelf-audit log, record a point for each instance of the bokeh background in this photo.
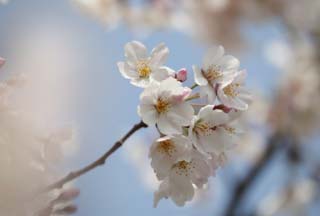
(71, 56)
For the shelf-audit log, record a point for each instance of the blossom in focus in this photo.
(164, 104)
(217, 69)
(233, 94)
(211, 131)
(166, 151)
(140, 68)
(183, 175)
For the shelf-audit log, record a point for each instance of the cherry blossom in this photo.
(211, 130)
(183, 177)
(217, 69)
(233, 94)
(164, 104)
(142, 69)
(166, 151)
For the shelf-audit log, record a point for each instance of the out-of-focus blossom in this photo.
(164, 104)
(295, 107)
(293, 200)
(2, 61)
(217, 69)
(140, 68)
(24, 156)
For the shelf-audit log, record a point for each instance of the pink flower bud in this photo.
(2, 61)
(181, 75)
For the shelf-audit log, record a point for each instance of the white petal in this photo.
(162, 73)
(198, 76)
(135, 51)
(212, 56)
(168, 126)
(159, 55)
(181, 189)
(216, 117)
(181, 113)
(148, 114)
(142, 83)
(229, 62)
(209, 93)
(125, 70)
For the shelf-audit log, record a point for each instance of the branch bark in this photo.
(241, 189)
(99, 162)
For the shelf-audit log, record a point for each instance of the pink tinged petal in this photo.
(148, 114)
(168, 126)
(182, 96)
(182, 75)
(159, 55)
(2, 62)
(162, 73)
(135, 51)
(126, 72)
(212, 56)
(198, 76)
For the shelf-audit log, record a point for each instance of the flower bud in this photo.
(181, 75)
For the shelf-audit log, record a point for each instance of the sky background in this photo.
(77, 57)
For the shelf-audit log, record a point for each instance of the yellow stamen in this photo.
(162, 105)
(230, 90)
(212, 73)
(166, 147)
(143, 69)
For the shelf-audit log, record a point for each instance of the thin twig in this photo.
(241, 189)
(100, 161)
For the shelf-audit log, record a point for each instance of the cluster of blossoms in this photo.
(194, 138)
(29, 154)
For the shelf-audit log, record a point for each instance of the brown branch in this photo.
(241, 189)
(99, 162)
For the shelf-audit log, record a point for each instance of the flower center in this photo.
(201, 128)
(231, 130)
(230, 90)
(162, 105)
(143, 69)
(183, 168)
(212, 73)
(166, 147)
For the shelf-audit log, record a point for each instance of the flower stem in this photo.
(194, 86)
(99, 162)
(194, 96)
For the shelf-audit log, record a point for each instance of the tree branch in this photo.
(99, 162)
(241, 189)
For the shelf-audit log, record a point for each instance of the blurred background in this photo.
(68, 49)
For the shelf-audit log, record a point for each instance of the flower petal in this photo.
(135, 51)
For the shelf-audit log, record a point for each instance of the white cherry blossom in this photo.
(142, 69)
(183, 177)
(211, 130)
(166, 151)
(217, 68)
(164, 104)
(233, 94)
